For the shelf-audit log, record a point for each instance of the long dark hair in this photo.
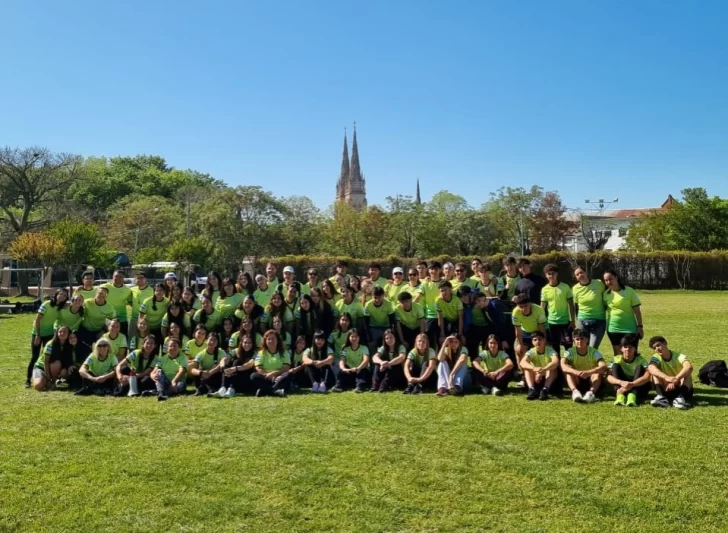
(315, 351)
(323, 312)
(154, 296)
(61, 351)
(307, 321)
(179, 319)
(244, 355)
(222, 290)
(250, 287)
(189, 306)
(54, 298)
(203, 313)
(349, 333)
(208, 290)
(616, 276)
(143, 363)
(338, 323)
(385, 346)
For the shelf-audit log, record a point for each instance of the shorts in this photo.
(616, 338)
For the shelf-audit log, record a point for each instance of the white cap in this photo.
(170, 275)
(448, 264)
(288, 270)
(398, 270)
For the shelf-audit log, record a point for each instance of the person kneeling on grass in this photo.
(419, 369)
(57, 360)
(540, 367)
(452, 368)
(388, 363)
(134, 372)
(207, 366)
(318, 361)
(240, 366)
(353, 365)
(584, 367)
(493, 368)
(629, 373)
(169, 372)
(271, 367)
(98, 370)
(672, 374)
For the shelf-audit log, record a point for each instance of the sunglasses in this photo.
(459, 270)
(412, 274)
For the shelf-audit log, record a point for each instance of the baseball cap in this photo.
(170, 275)
(288, 270)
(397, 270)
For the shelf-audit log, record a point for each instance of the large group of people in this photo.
(450, 329)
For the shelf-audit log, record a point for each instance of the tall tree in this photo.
(548, 225)
(299, 230)
(136, 222)
(37, 248)
(514, 208)
(405, 219)
(83, 245)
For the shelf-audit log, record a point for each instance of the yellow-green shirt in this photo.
(68, 318)
(154, 316)
(583, 362)
(590, 300)
(99, 367)
(629, 369)
(420, 359)
(671, 367)
(391, 291)
(450, 310)
(410, 319)
(557, 300)
(191, 348)
(137, 299)
(117, 343)
(87, 294)
(170, 366)
(529, 323)
(540, 360)
(379, 315)
(354, 309)
(262, 298)
(493, 363)
(431, 291)
(227, 306)
(207, 360)
(119, 298)
(337, 339)
(354, 357)
(49, 315)
(95, 316)
(211, 321)
(272, 362)
(620, 310)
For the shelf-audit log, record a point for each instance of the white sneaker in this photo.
(495, 391)
(521, 384)
(660, 401)
(576, 396)
(230, 393)
(680, 403)
(322, 388)
(315, 387)
(590, 397)
(221, 392)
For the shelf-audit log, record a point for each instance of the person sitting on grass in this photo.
(419, 369)
(57, 360)
(493, 368)
(239, 366)
(629, 374)
(540, 367)
(353, 365)
(175, 331)
(271, 367)
(584, 368)
(388, 363)
(169, 371)
(207, 366)
(672, 375)
(98, 371)
(134, 372)
(452, 368)
(318, 361)
(528, 319)
(297, 372)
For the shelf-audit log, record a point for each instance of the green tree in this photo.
(651, 232)
(514, 209)
(548, 225)
(192, 251)
(404, 227)
(37, 248)
(83, 245)
(300, 227)
(343, 233)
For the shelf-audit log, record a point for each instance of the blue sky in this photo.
(592, 99)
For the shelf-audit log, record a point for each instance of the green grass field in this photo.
(368, 462)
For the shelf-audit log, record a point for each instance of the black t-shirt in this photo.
(531, 285)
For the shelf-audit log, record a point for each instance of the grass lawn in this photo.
(368, 463)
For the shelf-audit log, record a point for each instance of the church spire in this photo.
(343, 183)
(355, 172)
(418, 199)
(356, 193)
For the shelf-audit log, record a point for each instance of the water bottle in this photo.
(133, 384)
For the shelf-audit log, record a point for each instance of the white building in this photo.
(611, 225)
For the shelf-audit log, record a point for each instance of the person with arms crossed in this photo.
(672, 374)
(540, 367)
(584, 368)
(629, 375)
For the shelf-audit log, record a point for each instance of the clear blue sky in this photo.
(593, 99)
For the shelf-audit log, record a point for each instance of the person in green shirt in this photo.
(207, 366)
(96, 313)
(264, 291)
(297, 373)
(71, 314)
(461, 277)
(98, 371)
(318, 362)
(271, 274)
(493, 368)
(337, 339)
(271, 367)
(137, 367)
(353, 365)
(485, 281)
(378, 317)
(313, 281)
(43, 325)
(198, 342)
(154, 309)
(229, 299)
(190, 304)
(207, 315)
(142, 332)
(175, 332)
(591, 314)
(331, 295)
(290, 303)
(375, 275)
(527, 319)
(277, 326)
(423, 271)
(540, 367)
(305, 319)
(213, 287)
(140, 292)
(352, 306)
(236, 374)
(119, 344)
(584, 368)
(452, 369)
(397, 285)
(276, 307)
(174, 315)
(506, 285)
(479, 324)
(246, 328)
(120, 296)
(413, 286)
(169, 371)
(410, 319)
(557, 301)
(388, 361)
(57, 361)
(624, 313)
(431, 291)
(629, 375)
(86, 289)
(449, 312)
(419, 368)
(245, 284)
(672, 374)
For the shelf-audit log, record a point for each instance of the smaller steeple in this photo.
(343, 183)
(418, 199)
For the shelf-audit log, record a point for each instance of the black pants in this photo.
(240, 381)
(476, 339)
(143, 384)
(211, 384)
(346, 381)
(450, 327)
(106, 387)
(374, 336)
(391, 378)
(266, 386)
(35, 351)
(86, 340)
(501, 383)
(433, 333)
(560, 335)
(409, 336)
(685, 392)
(317, 375)
(640, 391)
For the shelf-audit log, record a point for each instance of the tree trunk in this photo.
(23, 282)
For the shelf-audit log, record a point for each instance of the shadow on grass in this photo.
(711, 391)
(711, 398)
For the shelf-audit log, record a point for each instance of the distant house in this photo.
(612, 224)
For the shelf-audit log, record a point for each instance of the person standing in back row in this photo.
(530, 283)
(591, 315)
(119, 296)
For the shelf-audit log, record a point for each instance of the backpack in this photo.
(714, 373)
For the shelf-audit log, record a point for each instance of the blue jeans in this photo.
(595, 328)
(459, 380)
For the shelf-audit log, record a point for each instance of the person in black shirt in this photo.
(530, 283)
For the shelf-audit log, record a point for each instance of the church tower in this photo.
(342, 183)
(351, 186)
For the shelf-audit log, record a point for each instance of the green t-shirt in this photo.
(420, 359)
(503, 283)
(630, 369)
(414, 291)
(154, 316)
(170, 366)
(456, 284)
(192, 349)
(557, 301)
(268, 314)
(671, 367)
(355, 309)
(583, 362)
(138, 363)
(227, 306)
(98, 367)
(540, 360)
(386, 355)
(272, 362)
(410, 319)
(119, 298)
(211, 321)
(354, 357)
(323, 354)
(235, 340)
(337, 339)
(138, 296)
(431, 291)
(95, 316)
(49, 315)
(480, 317)
(449, 309)
(391, 291)
(48, 350)
(87, 294)
(529, 323)
(262, 298)
(590, 299)
(207, 360)
(183, 345)
(68, 318)
(117, 343)
(620, 310)
(306, 287)
(493, 363)
(380, 282)
(379, 315)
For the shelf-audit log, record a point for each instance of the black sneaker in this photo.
(100, 392)
(148, 393)
(162, 398)
(418, 389)
(119, 392)
(544, 394)
(458, 390)
(27, 384)
(532, 394)
(409, 390)
(83, 391)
